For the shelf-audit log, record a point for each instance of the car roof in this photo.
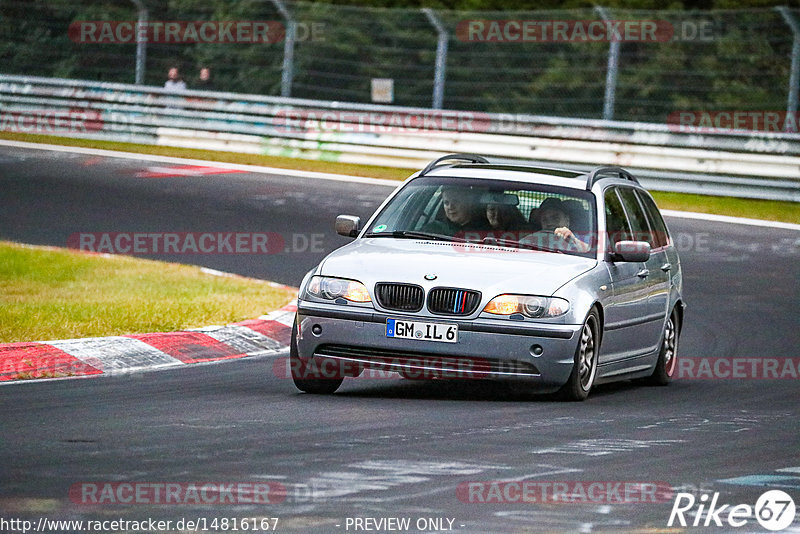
(525, 173)
(517, 173)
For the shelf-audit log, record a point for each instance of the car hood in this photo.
(488, 269)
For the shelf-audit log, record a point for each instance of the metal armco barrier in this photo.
(730, 163)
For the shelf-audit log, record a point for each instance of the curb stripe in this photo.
(73, 358)
(272, 329)
(189, 347)
(20, 361)
(116, 354)
(243, 340)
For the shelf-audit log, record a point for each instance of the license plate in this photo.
(443, 333)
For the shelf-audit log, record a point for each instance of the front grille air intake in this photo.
(400, 297)
(453, 301)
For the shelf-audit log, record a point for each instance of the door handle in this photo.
(666, 267)
(644, 273)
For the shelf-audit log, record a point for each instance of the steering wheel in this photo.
(548, 239)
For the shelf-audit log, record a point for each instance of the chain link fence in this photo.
(488, 61)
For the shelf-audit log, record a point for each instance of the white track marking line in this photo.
(185, 161)
(731, 220)
(344, 178)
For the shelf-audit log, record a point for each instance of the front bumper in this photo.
(498, 349)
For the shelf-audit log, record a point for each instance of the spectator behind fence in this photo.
(204, 82)
(174, 83)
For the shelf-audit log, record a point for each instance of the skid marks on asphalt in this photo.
(174, 171)
(378, 481)
(716, 422)
(605, 446)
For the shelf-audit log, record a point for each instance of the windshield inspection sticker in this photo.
(379, 228)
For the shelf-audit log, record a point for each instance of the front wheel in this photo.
(303, 374)
(584, 370)
(668, 354)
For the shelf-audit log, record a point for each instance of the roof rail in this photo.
(472, 158)
(598, 173)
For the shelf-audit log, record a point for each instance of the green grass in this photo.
(50, 294)
(771, 210)
(738, 207)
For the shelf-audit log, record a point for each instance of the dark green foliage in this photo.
(741, 63)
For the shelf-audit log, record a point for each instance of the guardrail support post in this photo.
(611, 71)
(441, 57)
(141, 44)
(287, 73)
(790, 124)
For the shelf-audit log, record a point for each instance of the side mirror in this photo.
(633, 251)
(348, 225)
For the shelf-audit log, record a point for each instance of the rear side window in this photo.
(636, 217)
(616, 222)
(660, 232)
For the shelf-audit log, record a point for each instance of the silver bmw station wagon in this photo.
(554, 278)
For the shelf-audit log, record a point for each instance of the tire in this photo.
(668, 353)
(298, 366)
(584, 370)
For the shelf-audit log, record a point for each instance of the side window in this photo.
(661, 234)
(616, 223)
(636, 216)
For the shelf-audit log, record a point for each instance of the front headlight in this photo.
(329, 288)
(528, 305)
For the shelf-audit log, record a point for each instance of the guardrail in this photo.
(731, 163)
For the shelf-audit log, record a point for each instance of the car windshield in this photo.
(501, 213)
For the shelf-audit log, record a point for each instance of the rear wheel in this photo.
(668, 355)
(584, 370)
(318, 385)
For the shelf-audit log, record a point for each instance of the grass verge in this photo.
(48, 294)
(772, 210)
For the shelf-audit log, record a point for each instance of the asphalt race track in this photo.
(388, 448)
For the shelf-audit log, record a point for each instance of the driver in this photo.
(553, 217)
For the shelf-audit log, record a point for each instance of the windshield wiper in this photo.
(518, 244)
(413, 234)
